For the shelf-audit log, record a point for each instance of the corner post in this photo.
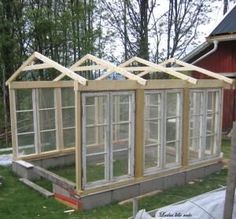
(13, 121)
(78, 146)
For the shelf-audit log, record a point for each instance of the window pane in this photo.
(120, 132)
(211, 124)
(46, 98)
(195, 126)
(48, 141)
(95, 168)
(120, 163)
(68, 117)
(196, 103)
(25, 122)
(172, 126)
(152, 106)
(24, 99)
(96, 135)
(151, 156)
(152, 131)
(211, 102)
(96, 110)
(47, 119)
(173, 104)
(26, 144)
(67, 96)
(195, 148)
(171, 152)
(210, 144)
(120, 108)
(69, 138)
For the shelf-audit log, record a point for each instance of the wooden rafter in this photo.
(191, 67)
(152, 67)
(47, 63)
(102, 64)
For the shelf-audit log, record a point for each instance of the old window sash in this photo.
(38, 124)
(206, 151)
(162, 134)
(109, 150)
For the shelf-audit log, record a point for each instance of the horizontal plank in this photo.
(40, 84)
(36, 187)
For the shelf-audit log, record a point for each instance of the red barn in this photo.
(218, 54)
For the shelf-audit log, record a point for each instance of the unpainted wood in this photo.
(185, 127)
(139, 133)
(78, 139)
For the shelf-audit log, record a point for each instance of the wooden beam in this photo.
(40, 84)
(113, 68)
(13, 122)
(185, 129)
(167, 70)
(36, 67)
(182, 68)
(206, 72)
(61, 68)
(78, 140)
(19, 70)
(128, 62)
(139, 133)
(75, 65)
(231, 179)
(139, 68)
(59, 120)
(88, 68)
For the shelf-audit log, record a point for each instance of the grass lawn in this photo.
(19, 201)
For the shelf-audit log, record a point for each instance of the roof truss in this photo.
(29, 64)
(104, 65)
(189, 67)
(150, 67)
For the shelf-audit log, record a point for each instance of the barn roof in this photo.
(227, 25)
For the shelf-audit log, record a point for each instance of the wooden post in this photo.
(231, 180)
(185, 127)
(139, 135)
(135, 206)
(78, 146)
(59, 123)
(13, 121)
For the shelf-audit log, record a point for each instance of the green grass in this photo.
(19, 201)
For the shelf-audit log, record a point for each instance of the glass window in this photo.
(162, 131)
(25, 129)
(204, 124)
(107, 138)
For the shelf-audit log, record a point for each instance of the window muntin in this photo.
(204, 124)
(107, 137)
(162, 134)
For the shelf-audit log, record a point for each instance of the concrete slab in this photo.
(96, 200)
(151, 185)
(195, 174)
(177, 179)
(125, 193)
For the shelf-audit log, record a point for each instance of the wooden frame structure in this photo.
(135, 83)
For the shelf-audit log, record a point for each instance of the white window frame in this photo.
(36, 123)
(163, 141)
(217, 132)
(108, 152)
